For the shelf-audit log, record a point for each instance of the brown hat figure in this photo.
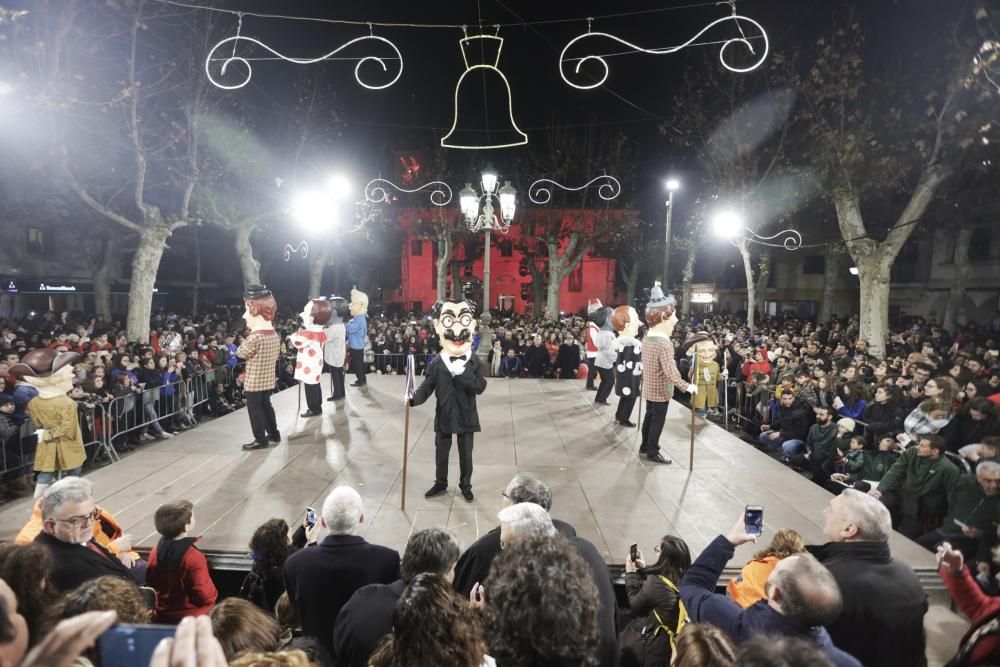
(43, 363)
(660, 307)
(260, 307)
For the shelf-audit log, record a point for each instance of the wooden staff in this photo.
(406, 449)
(694, 376)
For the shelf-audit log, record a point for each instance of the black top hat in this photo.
(256, 292)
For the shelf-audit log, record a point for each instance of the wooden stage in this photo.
(551, 427)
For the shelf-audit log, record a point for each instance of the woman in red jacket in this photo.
(177, 570)
(979, 646)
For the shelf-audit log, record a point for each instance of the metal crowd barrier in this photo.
(102, 424)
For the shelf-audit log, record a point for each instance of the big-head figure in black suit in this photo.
(455, 377)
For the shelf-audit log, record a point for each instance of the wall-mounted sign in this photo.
(702, 297)
(56, 287)
(9, 286)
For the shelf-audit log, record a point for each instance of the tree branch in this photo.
(76, 187)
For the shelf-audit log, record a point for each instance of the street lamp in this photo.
(317, 208)
(729, 224)
(469, 201)
(672, 186)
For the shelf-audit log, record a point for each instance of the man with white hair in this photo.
(882, 621)
(68, 515)
(321, 579)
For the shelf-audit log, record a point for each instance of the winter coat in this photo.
(179, 573)
(930, 479)
(647, 594)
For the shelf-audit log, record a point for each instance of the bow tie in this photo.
(457, 358)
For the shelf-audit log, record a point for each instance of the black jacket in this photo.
(474, 565)
(73, 564)
(882, 622)
(321, 579)
(363, 621)
(607, 611)
(883, 418)
(793, 421)
(647, 594)
(568, 361)
(536, 360)
(456, 396)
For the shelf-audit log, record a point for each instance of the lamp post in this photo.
(672, 185)
(487, 221)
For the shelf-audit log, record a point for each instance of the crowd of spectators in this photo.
(529, 592)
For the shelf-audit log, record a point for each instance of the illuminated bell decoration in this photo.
(481, 54)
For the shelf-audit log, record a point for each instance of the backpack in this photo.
(254, 589)
(637, 639)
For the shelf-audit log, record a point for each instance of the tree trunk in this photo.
(873, 272)
(249, 266)
(831, 270)
(763, 275)
(444, 257)
(145, 265)
(457, 288)
(960, 261)
(751, 285)
(686, 277)
(196, 290)
(632, 282)
(102, 289)
(317, 264)
(552, 297)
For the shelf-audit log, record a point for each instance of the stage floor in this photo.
(551, 427)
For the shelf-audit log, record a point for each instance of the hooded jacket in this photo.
(179, 573)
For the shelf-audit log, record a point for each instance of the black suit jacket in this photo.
(474, 565)
(73, 564)
(321, 579)
(607, 613)
(456, 396)
(363, 621)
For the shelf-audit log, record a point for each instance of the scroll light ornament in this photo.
(792, 239)
(375, 191)
(300, 249)
(490, 45)
(734, 17)
(538, 193)
(233, 58)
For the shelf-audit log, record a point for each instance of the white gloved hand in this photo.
(40, 432)
(725, 373)
(459, 367)
(692, 389)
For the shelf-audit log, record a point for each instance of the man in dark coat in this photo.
(68, 515)
(568, 359)
(790, 427)
(474, 565)
(802, 596)
(321, 579)
(536, 358)
(367, 616)
(882, 621)
(455, 377)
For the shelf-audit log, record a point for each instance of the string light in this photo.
(375, 192)
(300, 249)
(600, 59)
(539, 194)
(464, 44)
(233, 58)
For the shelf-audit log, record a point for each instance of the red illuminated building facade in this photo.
(511, 280)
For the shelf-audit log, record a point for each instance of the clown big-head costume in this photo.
(60, 443)
(309, 341)
(625, 320)
(455, 324)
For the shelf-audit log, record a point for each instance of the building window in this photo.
(506, 248)
(814, 265)
(39, 242)
(416, 248)
(979, 244)
(576, 278)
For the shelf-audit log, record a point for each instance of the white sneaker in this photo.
(167, 434)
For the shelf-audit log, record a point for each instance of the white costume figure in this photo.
(309, 361)
(335, 349)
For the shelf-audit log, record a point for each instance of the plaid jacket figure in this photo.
(261, 350)
(659, 370)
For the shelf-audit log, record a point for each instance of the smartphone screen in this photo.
(753, 518)
(130, 645)
(310, 516)
(633, 551)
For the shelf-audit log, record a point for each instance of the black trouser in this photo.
(442, 449)
(314, 397)
(591, 372)
(337, 382)
(358, 365)
(261, 413)
(906, 513)
(969, 546)
(625, 406)
(607, 383)
(652, 426)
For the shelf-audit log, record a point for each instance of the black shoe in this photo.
(602, 402)
(436, 490)
(254, 445)
(330, 399)
(591, 388)
(628, 424)
(467, 494)
(642, 450)
(309, 413)
(658, 458)
(358, 384)
(274, 438)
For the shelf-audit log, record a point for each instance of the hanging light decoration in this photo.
(375, 191)
(300, 249)
(486, 48)
(607, 190)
